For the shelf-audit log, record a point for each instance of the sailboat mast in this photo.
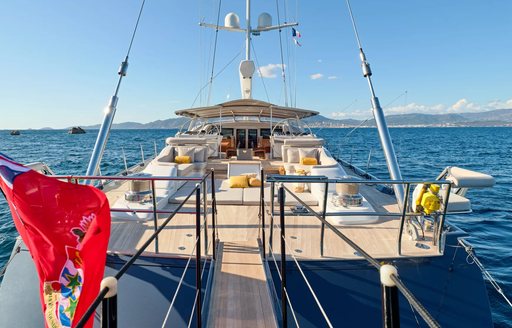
(248, 30)
(380, 120)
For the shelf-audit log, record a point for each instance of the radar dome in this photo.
(264, 20)
(232, 20)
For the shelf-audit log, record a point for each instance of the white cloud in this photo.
(270, 71)
(316, 76)
(332, 77)
(319, 60)
(462, 105)
(498, 104)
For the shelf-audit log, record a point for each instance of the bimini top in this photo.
(246, 107)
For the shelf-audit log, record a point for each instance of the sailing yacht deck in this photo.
(241, 223)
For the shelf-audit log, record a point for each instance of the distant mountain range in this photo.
(498, 117)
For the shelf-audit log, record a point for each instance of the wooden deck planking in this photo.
(240, 294)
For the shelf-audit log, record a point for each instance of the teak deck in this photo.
(240, 296)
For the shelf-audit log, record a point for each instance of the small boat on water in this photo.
(15, 133)
(76, 130)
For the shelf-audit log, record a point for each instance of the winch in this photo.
(139, 191)
(347, 194)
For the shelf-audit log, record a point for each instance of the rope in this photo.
(214, 54)
(280, 278)
(124, 268)
(309, 286)
(487, 274)
(195, 300)
(180, 283)
(408, 295)
(283, 73)
(183, 277)
(291, 308)
(429, 320)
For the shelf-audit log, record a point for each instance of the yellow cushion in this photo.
(308, 161)
(254, 182)
(282, 170)
(238, 181)
(182, 159)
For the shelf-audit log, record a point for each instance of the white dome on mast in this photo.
(232, 20)
(264, 20)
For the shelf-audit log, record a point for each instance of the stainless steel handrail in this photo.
(197, 191)
(398, 283)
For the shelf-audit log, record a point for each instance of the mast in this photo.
(232, 24)
(380, 121)
(110, 111)
(248, 30)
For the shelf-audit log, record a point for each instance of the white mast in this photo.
(232, 23)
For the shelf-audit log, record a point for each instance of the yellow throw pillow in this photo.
(254, 182)
(308, 161)
(183, 159)
(282, 170)
(238, 181)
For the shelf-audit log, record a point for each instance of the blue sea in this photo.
(422, 154)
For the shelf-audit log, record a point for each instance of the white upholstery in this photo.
(306, 197)
(317, 189)
(186, 151)
(162, 170)
(166, 155)
(251, 196)
(457, 203)
(241, 167)
(176, 141)
(292, 155)
(308, 152)
(304, 142)
(463, 178)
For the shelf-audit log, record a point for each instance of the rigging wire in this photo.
(216, 75)
(354, 24)
(283, 72)
(287, 38)
(259, 71)
(135, 29)
(214, 54)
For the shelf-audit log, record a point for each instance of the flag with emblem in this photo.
(66, 228)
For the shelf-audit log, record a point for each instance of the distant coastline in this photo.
(493, 118)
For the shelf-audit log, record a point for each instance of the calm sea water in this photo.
(422, 153)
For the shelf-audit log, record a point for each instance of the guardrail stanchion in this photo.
(109, 303)
(283, 257)
(205, 214)
(214, 209)
(390, 308)
(271, 237)
(198, 254)
(402, 220)
(262, 211)
(439, 232)
(155, 217)
(322, 231)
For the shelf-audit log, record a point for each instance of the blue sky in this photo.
(58, 59)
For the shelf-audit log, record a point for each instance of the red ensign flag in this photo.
(66, 227)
